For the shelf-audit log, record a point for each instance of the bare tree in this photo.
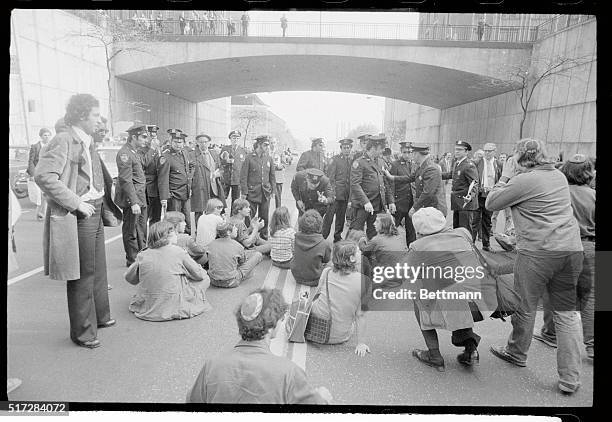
(115, 37)
(248, 120)
(525, 77)
(398, 133)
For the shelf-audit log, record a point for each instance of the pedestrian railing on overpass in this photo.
(559, 23)
(190, 28)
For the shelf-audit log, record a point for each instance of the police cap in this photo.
(346, 141)
(464, 144)
(203, 135)
(364, 137)
(234, 132)
(314, 173)
(175, 133)
(152, 128)
(377, 140)
(262, 139)
(137, 130)
(422, 148)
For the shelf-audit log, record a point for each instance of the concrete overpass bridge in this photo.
(438, 74)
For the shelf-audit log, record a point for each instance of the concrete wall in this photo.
(422, 122)
(562, 111)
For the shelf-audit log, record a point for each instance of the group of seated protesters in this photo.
(555, 230)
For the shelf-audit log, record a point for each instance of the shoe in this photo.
(486, 248)
(501, 353)
(547, 340)
(107, 324)
(424, 356)
(469, 358)
(91, 344)
(568, 388)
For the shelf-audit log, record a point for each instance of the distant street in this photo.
(141, 361)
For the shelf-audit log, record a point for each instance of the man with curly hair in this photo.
(251, 373)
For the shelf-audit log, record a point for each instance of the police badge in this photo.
(124, 158)
(162, 160)
(355, 164)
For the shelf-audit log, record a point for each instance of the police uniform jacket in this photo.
(150, 157)
(368, 183)
(312, 160)
(402, 191)
(300, 191)
(174, 177)
(231, 171)
(131, 180)
(462, 174)
(257, 177)
(203, 184)
(429, 188)
(339, 174)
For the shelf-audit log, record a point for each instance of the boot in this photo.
(470, 355)
(432, 358)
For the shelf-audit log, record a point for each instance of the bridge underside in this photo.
(432, 86)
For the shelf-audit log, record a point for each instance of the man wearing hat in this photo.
(130, 192)
(232, 158)
(149, 155)
(339, 174)
(174, 177)
(315, 158)
(429, 188)
(370, 191)
(312, 190)
(489, 172)
(207, 176)
(363, 142)
(463, 173)
(257, 181)
(402, 191)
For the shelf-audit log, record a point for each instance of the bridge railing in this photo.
(560, 22)
(383, 31)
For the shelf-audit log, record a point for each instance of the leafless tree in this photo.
(525, 77)
(249, 119)
(115, 37)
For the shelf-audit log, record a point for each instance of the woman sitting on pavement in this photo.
(439, 246)
(251, 373)
(549, 258)
(579, 172)
(386, 248)
(344, 284)
(171, 285)
(185, 241)
(282, 238)
(248, 237)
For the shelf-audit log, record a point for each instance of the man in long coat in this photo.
(206, 178)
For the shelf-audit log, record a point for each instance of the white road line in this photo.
(39, 269)
(299, 349)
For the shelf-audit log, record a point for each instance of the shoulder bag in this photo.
(318, 329)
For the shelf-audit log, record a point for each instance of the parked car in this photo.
(18, 164)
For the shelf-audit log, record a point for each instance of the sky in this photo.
(328, 114)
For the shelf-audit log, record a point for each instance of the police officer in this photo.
(402, 191)
(427, 178)
(232, 158)
(130, 192)
(339, 174)
(174, 177)
(257, 181)
(370, 191)
(363, 142)
(463, 173)
(312, 190)
(315, 158)
(149, 154)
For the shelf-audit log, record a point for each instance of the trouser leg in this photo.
(277, 194)
(464, 219)
(586, 301)
(485, 222)
(141, 228)
(359, 219)
(128, 231)
(186, 210)
(197, 216)
(253, 258)
(477, 222)
(101, 301)
(340, 218)
(154, 209)
(370, 229)
(465, 337)
(264, 213)
(328, 219)
(235, 192)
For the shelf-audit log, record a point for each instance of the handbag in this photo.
(508, 300)
(318, 329)
(298, 317)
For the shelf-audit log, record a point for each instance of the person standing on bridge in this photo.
(245, 24)
(257, 181)
(339, 174)
(130, 193)
(76, 182)
(315, 158)
(232, 158)
(283, 21)
(174, 177)
(370, 192)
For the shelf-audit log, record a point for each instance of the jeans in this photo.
(535, 274)
(88, 303)
(586, 301)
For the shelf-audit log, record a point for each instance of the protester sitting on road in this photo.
(208, 222)
(550, 255)
(345, 294)
(439, 246)
(579, 171)
(282, 238)
(171, 285)
(311, 251)
(228, 262)
(251, 373)
(185, 241)
(386, 248)
(248, 237)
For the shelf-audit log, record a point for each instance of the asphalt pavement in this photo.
(142, 361)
